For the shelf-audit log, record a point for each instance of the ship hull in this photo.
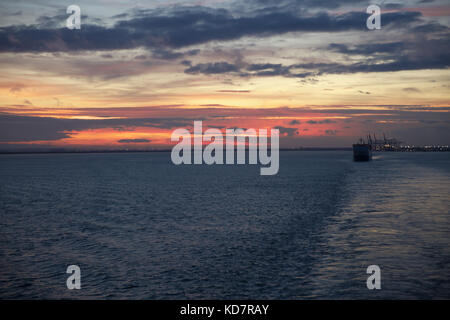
(362, 152)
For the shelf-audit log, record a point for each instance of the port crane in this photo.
(385, 144)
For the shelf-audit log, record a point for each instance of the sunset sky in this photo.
(137, 70)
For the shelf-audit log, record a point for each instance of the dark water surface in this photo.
(140, 227)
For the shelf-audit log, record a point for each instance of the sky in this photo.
(137, 70)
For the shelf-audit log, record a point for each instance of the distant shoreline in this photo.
(416, 149)
(144, 151)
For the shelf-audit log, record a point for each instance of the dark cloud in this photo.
(393, 6)
(18, 128)
(141, 57)
(368, 49)
(40, 128)
(411, 89)
(212, 68)
(328, 4)
(120, 16)
(165, 31)
(134, 141)
(377, 57)
(416, 54)
(90, 37)
(294, 122)
(181, 27)
(23, 128)
(242, 70)
(326, 121)
(290, 132)
(165, 54)
(269, 70)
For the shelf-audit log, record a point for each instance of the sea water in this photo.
(140, 227)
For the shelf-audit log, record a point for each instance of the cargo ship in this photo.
(362, 151)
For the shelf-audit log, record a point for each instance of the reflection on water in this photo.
(140, 227)
(397, 217)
